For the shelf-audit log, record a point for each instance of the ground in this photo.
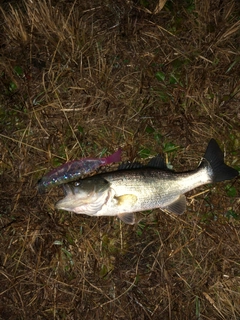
(81, 79)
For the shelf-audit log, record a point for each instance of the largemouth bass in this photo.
(135, 188)
(74, 170)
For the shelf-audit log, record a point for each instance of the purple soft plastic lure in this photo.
(74, 170)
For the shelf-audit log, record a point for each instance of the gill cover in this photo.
(85, 196)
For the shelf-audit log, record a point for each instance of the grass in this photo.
(79, 80)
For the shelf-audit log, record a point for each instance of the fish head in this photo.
(90, 185)
(86, 196)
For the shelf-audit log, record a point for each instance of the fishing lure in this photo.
(74, 170)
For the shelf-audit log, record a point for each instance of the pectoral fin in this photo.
(126, 199)
(128, 218)
(178, 206)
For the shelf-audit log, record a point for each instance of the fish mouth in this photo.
(89, 205)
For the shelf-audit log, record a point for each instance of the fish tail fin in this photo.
(115, 157)
(215, 158)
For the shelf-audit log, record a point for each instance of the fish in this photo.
(74, 170)
(135, 187)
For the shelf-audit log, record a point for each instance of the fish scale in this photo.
(135, 187)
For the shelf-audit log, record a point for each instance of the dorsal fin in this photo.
(157, 162)
(130, 165)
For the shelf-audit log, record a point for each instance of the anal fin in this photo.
(178, 206)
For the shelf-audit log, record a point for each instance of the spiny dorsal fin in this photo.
(130, 165)
(157, 162)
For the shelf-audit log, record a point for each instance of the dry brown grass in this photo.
(80, 80)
